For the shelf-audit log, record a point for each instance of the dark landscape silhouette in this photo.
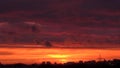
(115, 63)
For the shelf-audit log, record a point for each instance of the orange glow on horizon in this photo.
(38, 55)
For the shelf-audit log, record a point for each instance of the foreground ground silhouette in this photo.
(88, 64)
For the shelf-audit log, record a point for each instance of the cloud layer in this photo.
(87, 22)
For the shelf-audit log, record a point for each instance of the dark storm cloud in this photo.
(89, 21)
(14, 5)
(54, 9)
(102, 4)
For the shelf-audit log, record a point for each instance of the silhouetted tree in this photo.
(88, 64)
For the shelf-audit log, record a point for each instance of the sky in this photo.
(58, 55)
(75, 23)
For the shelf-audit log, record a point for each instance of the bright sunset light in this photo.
(59, 56)
(38, 55)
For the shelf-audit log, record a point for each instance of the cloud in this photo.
(88, 21)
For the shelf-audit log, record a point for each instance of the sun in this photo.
(62, 58)
(58, 56)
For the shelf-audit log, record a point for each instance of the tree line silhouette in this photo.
(115, 63)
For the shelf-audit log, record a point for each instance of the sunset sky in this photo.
(59, 55)
(74, 23)
(73, 29)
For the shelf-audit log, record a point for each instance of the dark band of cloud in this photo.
(87, 21)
